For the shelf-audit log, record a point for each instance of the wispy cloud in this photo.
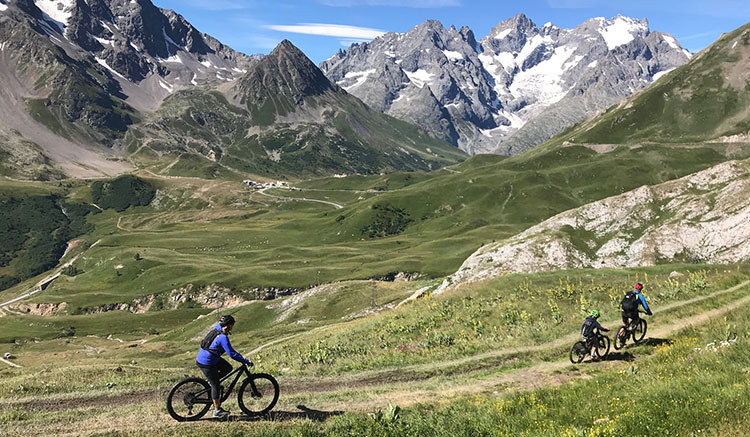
(399, 3)
(339, 30)
(714, 33)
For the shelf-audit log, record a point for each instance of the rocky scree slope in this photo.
(285, 118)
(512, 90)
(704, 216)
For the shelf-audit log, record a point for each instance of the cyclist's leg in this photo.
(212, 376)
(624, 323)
(591, 344)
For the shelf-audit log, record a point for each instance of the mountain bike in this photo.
(636, 329)
(190, 398)
(581, 349)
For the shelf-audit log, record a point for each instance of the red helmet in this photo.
(638, 286)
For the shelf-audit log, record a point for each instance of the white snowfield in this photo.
(621, 30)
(703, 216)
(57, 10)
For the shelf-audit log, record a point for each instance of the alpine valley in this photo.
(409, 235)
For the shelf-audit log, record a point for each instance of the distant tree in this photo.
(138, 256)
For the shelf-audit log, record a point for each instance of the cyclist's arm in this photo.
(224, 341)
(599, 326)
(643, 302)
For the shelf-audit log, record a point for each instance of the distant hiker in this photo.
(588, 332)
(213, 366)
(630, 303)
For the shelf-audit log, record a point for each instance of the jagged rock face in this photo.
(704, 216)
(517, 87)
(133, 40)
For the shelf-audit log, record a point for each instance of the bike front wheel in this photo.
(602, 347)
(189, 399)
(578, 352)
(639, 333)
(258, 394)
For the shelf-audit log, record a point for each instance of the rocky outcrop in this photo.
(704, 217)
(210, 296)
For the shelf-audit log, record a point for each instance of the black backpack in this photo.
(629, 302)
(588, 327)
(209, 339)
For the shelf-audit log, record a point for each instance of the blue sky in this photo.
(321, 27)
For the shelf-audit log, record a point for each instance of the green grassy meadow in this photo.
(335, 335)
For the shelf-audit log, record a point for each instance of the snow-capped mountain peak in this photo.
(504, 93)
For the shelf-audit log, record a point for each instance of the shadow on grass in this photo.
(282, 416)
(654, 341)
(619, 356)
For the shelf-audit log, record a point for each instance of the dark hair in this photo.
(226, 320)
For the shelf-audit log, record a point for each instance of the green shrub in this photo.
(122, 193)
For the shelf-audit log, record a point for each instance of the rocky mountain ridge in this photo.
(512, 90)
(283, 118)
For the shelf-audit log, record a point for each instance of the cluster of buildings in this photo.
(261, 185)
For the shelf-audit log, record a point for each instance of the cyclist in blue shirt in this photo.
(629, 304)
(212, 365)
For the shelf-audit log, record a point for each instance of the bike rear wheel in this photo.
(620, 338)
(602, 347)
(639, 333)
(578, 352)
(189, 399)
(258, 394)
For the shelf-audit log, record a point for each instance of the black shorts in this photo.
(629, 315)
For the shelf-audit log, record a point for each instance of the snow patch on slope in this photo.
(420, 77)
(503, 34)
(543, 81)
(453, 56)
(620, 30)
(104, 64)
(58, 11)
(361, 77)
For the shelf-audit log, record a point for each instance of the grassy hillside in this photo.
(204, 232)
(488, 358)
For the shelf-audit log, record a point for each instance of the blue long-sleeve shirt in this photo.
(218, 346)
(642, 301)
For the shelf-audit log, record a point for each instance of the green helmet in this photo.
(595, 313)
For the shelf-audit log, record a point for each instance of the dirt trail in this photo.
(303, 199)
(538, 375)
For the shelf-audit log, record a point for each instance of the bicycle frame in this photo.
(239, 371)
